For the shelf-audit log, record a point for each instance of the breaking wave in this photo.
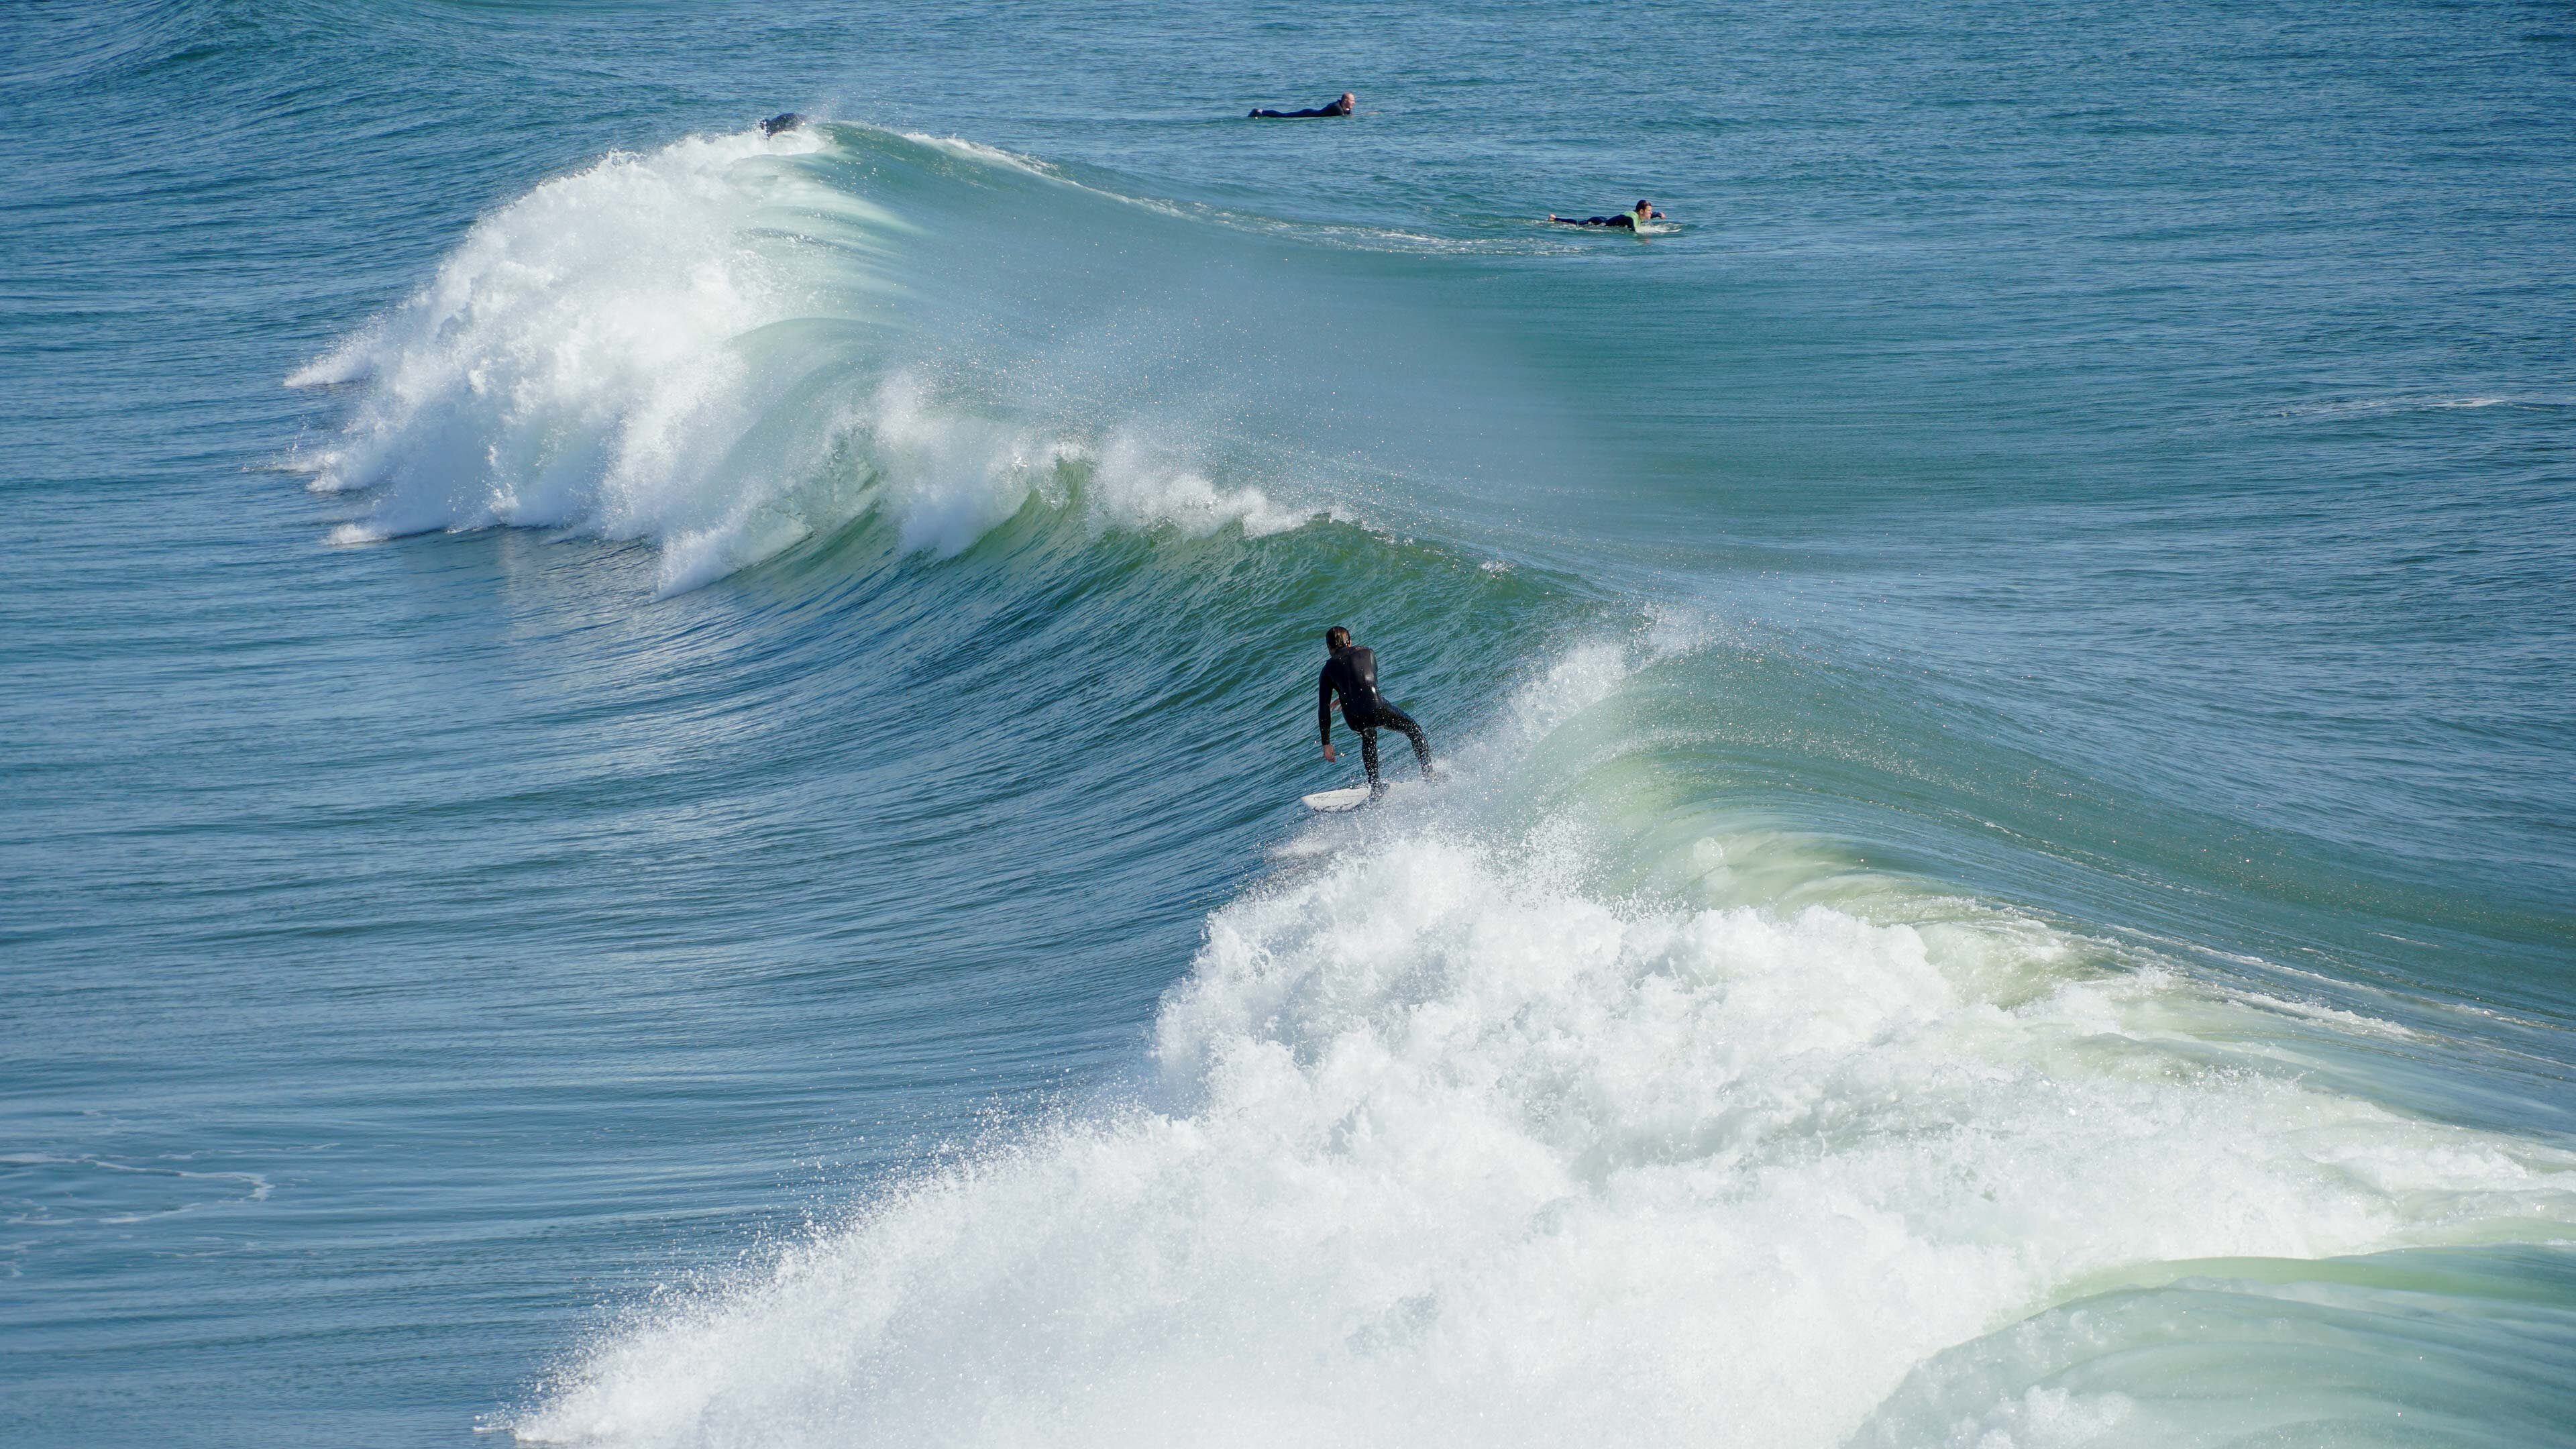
(1458, 1134)
(725, 348)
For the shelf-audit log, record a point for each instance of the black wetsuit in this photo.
(1352, 674)
(1623, 219)
(1335, 109)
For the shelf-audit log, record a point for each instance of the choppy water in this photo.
(651, 772)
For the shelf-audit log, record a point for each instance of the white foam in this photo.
(1448, 1150)
(611, 353)
(573, 361)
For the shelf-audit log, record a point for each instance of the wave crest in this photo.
(702, 348)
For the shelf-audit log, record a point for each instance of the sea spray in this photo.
(574, 361)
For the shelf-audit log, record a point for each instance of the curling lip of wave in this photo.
(606, 354)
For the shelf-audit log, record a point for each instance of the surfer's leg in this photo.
(1368, 761)
(1396, 719)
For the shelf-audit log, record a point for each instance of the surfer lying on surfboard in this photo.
(1352, 674)
(1341, 107)
(1625, 221)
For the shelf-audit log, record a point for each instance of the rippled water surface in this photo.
(651, 771)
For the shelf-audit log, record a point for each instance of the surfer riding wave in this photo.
(1352, 674)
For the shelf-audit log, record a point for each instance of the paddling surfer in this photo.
(1626, 221)
(1352, 674)
(1341, 107)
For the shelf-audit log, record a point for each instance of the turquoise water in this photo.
(651, 772)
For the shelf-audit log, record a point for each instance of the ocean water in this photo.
(648, 781)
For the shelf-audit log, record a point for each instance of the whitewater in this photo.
(605, 355)
(653, 768)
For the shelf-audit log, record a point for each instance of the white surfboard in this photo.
(1329, 800)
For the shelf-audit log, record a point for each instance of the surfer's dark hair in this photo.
(1337, 637)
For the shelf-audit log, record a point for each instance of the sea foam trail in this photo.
(1451, 1149)
(707, 348)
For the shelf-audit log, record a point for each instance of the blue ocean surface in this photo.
(649, 773)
